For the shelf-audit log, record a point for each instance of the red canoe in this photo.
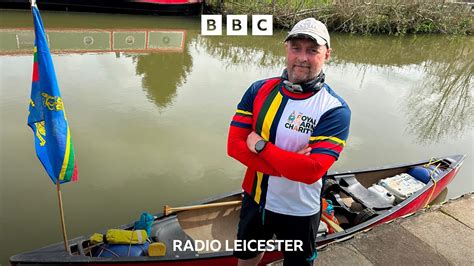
(357, 206)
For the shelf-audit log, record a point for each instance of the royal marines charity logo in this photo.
(299, 122)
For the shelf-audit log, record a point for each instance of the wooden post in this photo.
(61, 212)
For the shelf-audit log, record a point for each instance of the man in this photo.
(288, 131)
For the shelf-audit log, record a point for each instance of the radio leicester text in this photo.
(238, 245)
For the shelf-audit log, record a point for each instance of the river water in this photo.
(149, 103)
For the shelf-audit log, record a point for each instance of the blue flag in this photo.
(47, 116)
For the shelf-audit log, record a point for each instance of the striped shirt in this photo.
(289, 121)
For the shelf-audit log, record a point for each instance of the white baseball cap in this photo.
(310, 27)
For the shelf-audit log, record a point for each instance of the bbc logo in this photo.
(211, 25)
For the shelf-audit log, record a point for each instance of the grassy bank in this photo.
(395, 17)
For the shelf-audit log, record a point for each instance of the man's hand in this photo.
(252, 138)
(306, 150)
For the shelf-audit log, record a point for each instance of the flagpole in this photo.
(61, 212)
(43, 70)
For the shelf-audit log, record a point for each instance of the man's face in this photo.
(305, 59)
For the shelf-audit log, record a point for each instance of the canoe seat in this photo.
(168, 230)
(351, 186)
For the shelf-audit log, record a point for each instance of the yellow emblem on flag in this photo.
(54, 103)
(41, 132)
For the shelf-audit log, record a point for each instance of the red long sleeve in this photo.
(237, 149)
(297, 167)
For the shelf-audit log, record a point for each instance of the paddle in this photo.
(167, 210)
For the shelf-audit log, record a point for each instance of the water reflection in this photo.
(17, 41)
(244, 50)
(441, 105)
(162, 74)
(159, 48)
(160, 55)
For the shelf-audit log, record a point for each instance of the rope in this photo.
(131, 238)
(432, 179)
(432, 161)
